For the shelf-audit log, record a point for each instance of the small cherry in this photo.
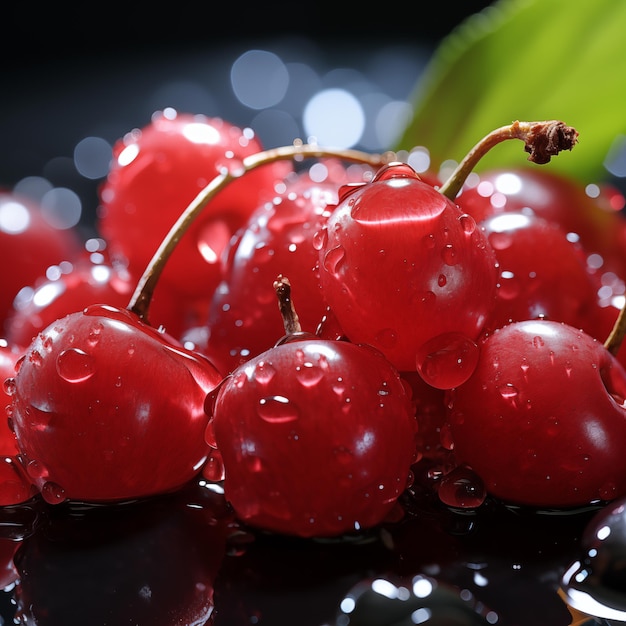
(316, 437)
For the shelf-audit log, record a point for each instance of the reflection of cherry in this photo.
(331, 412)
(144, 563)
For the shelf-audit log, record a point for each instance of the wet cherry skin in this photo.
(276, 239)
(400, 264)
(157, 171)
(29, 244)
(542, 274)
(105, 408)
(542, 419)
(317, 437)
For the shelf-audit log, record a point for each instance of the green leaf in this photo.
(526, 60)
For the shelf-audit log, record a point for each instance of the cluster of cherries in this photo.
(307, 334)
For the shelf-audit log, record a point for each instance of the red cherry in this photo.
(277, 238)
(595, 220)
(307, 409)
(159, 170)
(106, 408)
(400, 264)
(542, 274)
(29, 244)
(542, 419)
(330, 412)
(90, 280)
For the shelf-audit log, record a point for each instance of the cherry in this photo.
(400, 264)
(89, 424)
(594, 220)
(332, 412)
(88, 419)
(29, 244)
(161, 168)
(91, 279)
(542, 418)
(542, 274)
(277, 237)
(594, 582)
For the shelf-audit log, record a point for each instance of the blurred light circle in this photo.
(92, 157)
(334, 117)
(33, 187)
(304, 83)
(392, 118)
(276, 128)
(61, 207)
(14, 217)
(259, 79)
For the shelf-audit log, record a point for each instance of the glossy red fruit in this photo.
(106, 408)
(157, 171)
(542, 274)
(83, 283)
(29, 244)
(277, 239)
(317, 437)
(595, 220)
(400, 264)
(542, 419)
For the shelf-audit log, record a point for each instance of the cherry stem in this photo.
(542, 140)
(140, 300)
(291, 321)
(614, 340)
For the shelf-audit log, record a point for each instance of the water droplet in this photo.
(538, 341)
(34, 357)
(10, 386)
(36, 470)
(429, 241)
(442, 280)
(264, 372)
(334, 259)
(74, 365)
(53, 493)
(449, 255)
(462, 488)
(468, 224)
(309, 375)
(387, 337)
(320, 239)
(277, 410)
(509, 392)
(510, 286)
(94, 334)
(213, 469)
(447, 360)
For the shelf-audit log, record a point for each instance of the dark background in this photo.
(88, 69)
